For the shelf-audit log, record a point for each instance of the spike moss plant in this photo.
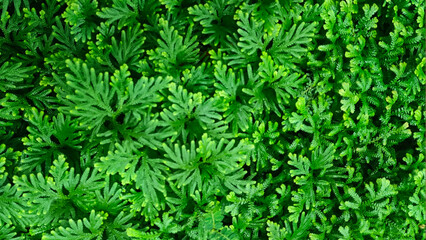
(211, 120)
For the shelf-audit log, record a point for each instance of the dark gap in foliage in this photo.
(22, 91)
(105, 234)
(20, 132)
(112, 125)
(269, 46)
(109, 124)
(36, 4)
(72, 156)
(190, 207)
(227, 220)
(273, 117)
(204, 53)
(114, 62)
(240, 96)
(249, 169)
(55, 140)
(65, 191)
(62, 8)
(195, 128)
(188, 3)
(152, 154)
(13, 48)
(385, 26)
(258, 54)
(229, 22)
(120, 136)
(134, 75)
(120, 118)
(406, 146)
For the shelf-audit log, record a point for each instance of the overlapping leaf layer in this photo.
(218, 119)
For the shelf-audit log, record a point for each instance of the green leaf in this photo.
(191, 115)
(8, 232)
(61, 194)
(291, 43)
(80, 229)
(174, 52)
(251, 32)
(237, 113)
(78, 14)
(136, 167)
(47, 139)
(350, 98)
(87, 96)
(11, 205)
(301, 163)
(210, 160)
(384, 189)
(345, 233)
(125, 12)
(216, 19)
(129, 49)
(131, 232)
(275, 232)
(322, 159)
(13, 75)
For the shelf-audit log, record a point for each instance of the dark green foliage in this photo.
(188, 119)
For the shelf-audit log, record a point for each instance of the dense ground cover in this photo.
(180, 119)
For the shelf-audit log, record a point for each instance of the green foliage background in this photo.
(219, 119)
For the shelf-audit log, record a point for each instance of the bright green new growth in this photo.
(218, 119)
